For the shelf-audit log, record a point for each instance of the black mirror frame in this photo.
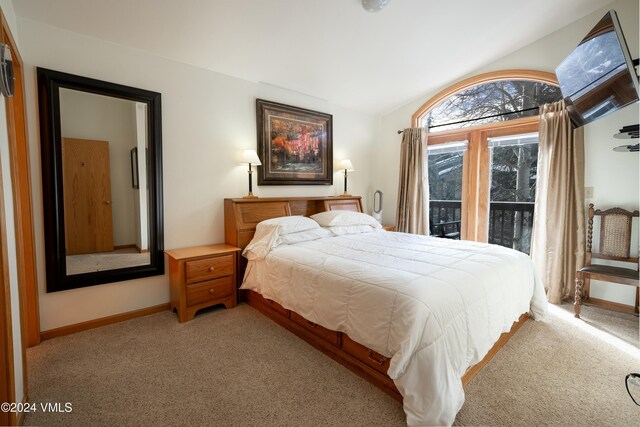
(49, 84)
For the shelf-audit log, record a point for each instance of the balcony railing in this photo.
(444, 218)
(510, 223)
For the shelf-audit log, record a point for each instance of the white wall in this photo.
(7, 10)
(208, 118)
(102, 118)
(604, 168)
(615, 182)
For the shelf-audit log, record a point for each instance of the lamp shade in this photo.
(346, 164)
(250, 156)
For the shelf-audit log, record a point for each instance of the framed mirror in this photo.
(101, 148)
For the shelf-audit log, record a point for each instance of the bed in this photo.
(416, 315)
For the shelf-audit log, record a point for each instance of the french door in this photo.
(482, 181)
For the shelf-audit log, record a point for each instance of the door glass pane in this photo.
(445, 192)
(513, 186)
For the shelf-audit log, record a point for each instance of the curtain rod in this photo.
(480, 118)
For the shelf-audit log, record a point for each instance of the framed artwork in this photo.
(295, 145)
(135, 183)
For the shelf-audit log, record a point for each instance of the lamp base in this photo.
(345, 194)
(250, 196)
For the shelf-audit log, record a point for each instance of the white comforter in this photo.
(435, 306)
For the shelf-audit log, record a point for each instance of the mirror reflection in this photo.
(104, 170)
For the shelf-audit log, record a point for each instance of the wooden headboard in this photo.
(242, 215)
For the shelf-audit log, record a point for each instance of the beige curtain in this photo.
(557, 246)
(413, 189)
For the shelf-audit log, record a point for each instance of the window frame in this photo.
(474, 211)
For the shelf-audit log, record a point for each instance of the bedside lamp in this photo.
(250, 157)
(347, 167)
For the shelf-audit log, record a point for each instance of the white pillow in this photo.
(343, 218)
(269, 232)
(303, 236)
(288, 224)
(341, 230)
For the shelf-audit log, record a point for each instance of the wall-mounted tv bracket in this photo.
(628, 132)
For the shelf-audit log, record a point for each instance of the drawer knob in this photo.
(211, 291)
(212, 268)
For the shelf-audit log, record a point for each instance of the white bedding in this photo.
(435, 306)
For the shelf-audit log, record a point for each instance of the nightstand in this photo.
(389, 227)
(202, 276)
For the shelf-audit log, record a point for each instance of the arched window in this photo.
(490, 102)
(482, 155)
(488, 98)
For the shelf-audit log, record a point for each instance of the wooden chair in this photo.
(615, 244)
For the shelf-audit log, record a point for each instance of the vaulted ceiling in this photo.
(328, 49)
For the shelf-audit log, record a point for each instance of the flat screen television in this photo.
(598, 77)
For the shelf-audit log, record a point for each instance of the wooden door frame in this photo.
(476, 177)
(24, 234)
(22, 201)
(7, 380)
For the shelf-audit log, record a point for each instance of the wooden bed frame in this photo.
(241, 217)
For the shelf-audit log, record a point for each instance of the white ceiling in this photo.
(329, 49)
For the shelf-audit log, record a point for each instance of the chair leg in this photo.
(577, 302)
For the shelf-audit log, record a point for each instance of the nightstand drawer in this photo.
(208, 291)
(209, 268)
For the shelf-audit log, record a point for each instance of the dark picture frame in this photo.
(135, 178)
(295, 145)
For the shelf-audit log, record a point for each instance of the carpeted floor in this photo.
(236, 367)
(620, 325)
